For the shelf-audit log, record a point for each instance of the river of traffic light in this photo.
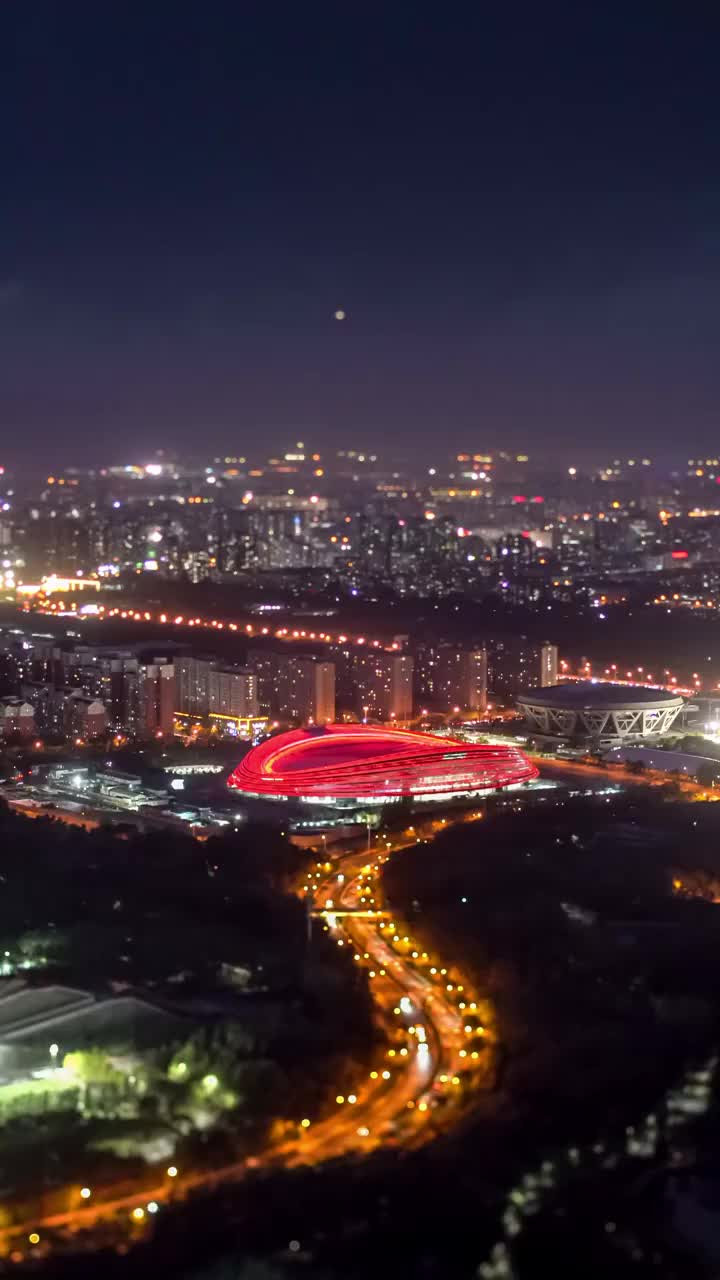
(437, 1042)
(430, 1016)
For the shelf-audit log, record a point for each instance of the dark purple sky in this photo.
(517, 204)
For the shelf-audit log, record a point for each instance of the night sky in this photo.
(518, 206)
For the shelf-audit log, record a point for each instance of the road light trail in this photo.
(393, 1105)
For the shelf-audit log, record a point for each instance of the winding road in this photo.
(438, 1041)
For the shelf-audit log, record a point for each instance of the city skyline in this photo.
(359, 598)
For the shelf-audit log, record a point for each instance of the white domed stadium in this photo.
(593, 714)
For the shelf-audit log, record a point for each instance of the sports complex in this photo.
(355, 766)
(592, 713)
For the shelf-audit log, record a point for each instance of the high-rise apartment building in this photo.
(324, 692)
(517, 663)
(476, 687)
(384, 686)
(84, 717)
(47, 704)
(205, 687)
(447, 676)
(156, 699)
(306, 691)
(548, 665)
(265, 663)
(232, 692)
(192, 678)
(126, 697)
(294, 689)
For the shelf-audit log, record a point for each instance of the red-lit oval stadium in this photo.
(370, 764)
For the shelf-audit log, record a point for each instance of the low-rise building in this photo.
(16, 717)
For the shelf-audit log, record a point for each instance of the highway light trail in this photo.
(439, 1044)
(440, 1034)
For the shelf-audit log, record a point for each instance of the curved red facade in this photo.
(349, 762)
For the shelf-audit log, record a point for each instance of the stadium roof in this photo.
(370, 762)
(591, 695)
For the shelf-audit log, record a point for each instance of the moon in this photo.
(340, 315)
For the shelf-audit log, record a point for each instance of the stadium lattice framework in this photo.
(603, 713)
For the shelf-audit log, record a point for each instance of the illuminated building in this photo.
(84, 717)
(472, 684)
(54, 585)
(383, 686)
(548, 665)
(306, 690)
(128, 696)
(205, 686)
(349, 765)
(192, 679)
(197, 565)
(601, 715)
(294, 689)
(16, 716)
(324, 693)
(232, 692)
(210, 695)
(250, 728)
(447, 676)
(517, 663)
(47, 704)
(60, 675)
(156, 698)
(266, 665)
